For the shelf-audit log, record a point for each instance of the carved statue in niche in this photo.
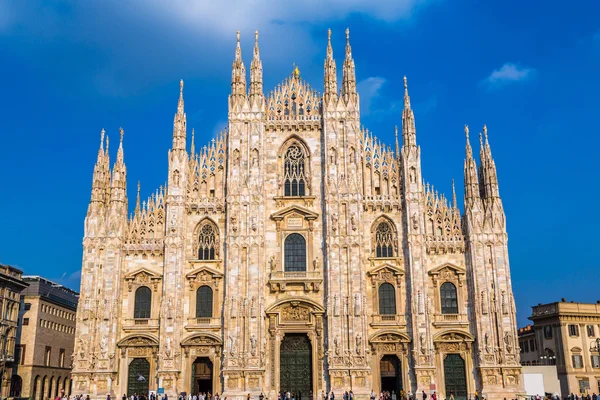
(254, 224)
(422, 343)
(168, 347)
(272, 263)
(351, 155)
(82, 349)
(358, 344)
(254, 158)
(483, 302)
(170, 308)
(176, 177)
(336, 306)
(336, 346)
(234, 225)
(415, 222)
(508, 341)
(420, 307)
(356, 304)
(253, 307)
(232, 345)
(412, 175)
(253, 345)
(332, 155)
(233, 307)
(316, 264)
(334, 221)
(236, 157)
(103, 345)
(353, 221)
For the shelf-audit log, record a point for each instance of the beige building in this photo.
(296, 252)
(11, 284)
(565, 334)
(45, 340)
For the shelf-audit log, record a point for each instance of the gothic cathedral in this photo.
(296, 252)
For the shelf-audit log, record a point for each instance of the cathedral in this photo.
(296, 252)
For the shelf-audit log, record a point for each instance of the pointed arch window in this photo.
(449, 298)
(294, 172)
(295, 253)
(204, 302)
(384, 240)
(207, 242)
(143, 303)
(387, 299)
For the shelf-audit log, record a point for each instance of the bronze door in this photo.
(139, 377)
(295, 365)
(455, 376)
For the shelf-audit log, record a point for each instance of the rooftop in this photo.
(52, 291)
(564, 308)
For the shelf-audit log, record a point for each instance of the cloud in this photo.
(368, 90)
(508, 73)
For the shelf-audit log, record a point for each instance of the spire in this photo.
(409, 134)
(238, 73)
(397, 144)
(471, 180)
(118, 184)
(256, 76)
(137, 201)
(99, 177)
(348, 73)
(192, 146)
(489, 177)
(120, 155)
(179, 122)
(330, 74)
(454, 204)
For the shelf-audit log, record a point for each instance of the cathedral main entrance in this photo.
(295, 365)
(202, 375)
(391, 374)
(455, 377)
(138, 379)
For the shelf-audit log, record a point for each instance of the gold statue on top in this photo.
(296, 71)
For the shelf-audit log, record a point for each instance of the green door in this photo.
(455, 376)
(295, 365)
(139, 377)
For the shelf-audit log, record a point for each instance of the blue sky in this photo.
(528, 69)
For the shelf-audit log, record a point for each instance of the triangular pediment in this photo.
(204, 270)
(292, 99)
(142, 274)
(454, 269)
(386, 268)
(301, 212)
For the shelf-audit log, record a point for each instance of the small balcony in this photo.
(202, 323)
(388, 321)
(280, 281)
(451, 320)
(140, 324)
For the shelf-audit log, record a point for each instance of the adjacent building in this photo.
(296, 252)
(43, 357)
(11, 285)
(565, 334)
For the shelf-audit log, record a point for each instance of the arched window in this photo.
(387, 299)
(449, 298)
(384, 240)
(204, 302)
(143, 301)
(295, 253)
(207, 242)
(294, 171)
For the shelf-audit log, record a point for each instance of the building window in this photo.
(207, 242)
(590, 331)
(61, 358)
(547, 332)
(384, 240)
(143, 300)
(25, 321)
(532, 345)
(387, 299)
(577, 360)
(294, 171)
(573, 330)
(204, 302)
(526, 346)
(295, 253)
(48, 355)
(27, 306)
(21, 358)
(595, 361)
(448, 298)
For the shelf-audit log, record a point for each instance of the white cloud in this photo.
(508, 73)
(368, 90)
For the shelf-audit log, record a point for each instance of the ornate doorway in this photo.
(295, 364)
(455, 377)
(391, 374)
(202, 375)
(138, 378)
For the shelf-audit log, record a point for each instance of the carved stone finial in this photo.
(467, 131)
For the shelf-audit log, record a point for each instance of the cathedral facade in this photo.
(296, 252)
